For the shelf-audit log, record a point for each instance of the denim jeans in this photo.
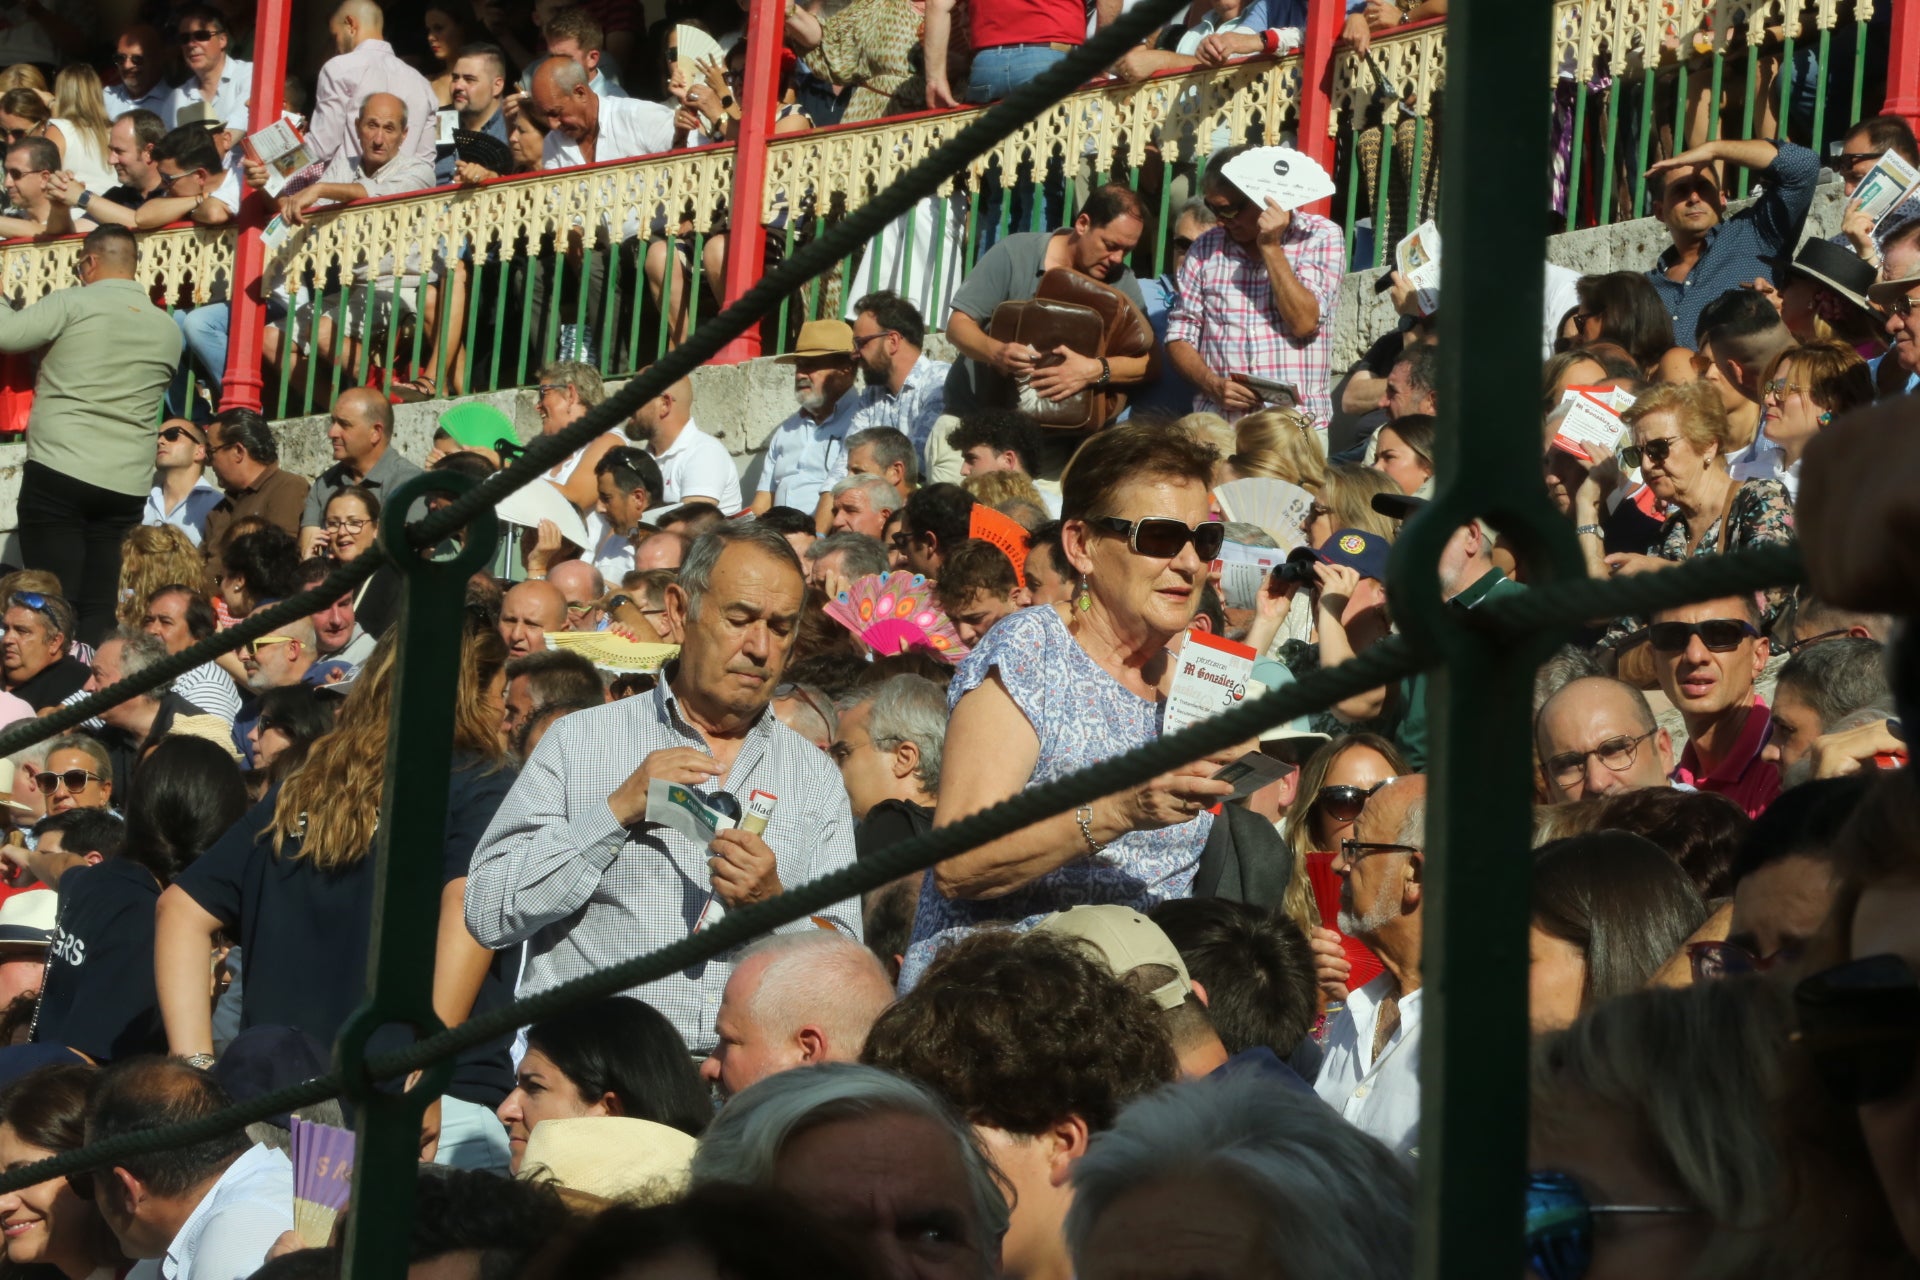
(996, 73)
(205, 328)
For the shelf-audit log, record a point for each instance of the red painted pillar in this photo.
(1903, 63)
(246, 341)
(760, 100)
(1316, 86)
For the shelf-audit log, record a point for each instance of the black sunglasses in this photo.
(1720, 635)
(76, 780)
(1344, 803)
(172, 435)
(1860, 1026)
(1162, 537)
(1654, 451)
(1560, 1224)
(199, 35)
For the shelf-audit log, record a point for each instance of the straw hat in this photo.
(637, 1161)
(820, 338)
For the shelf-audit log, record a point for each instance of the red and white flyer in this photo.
(1211, 676)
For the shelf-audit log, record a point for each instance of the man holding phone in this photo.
(1253, 324)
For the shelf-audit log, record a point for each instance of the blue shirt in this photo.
(1873, 372)
(1172, 394)
(1755, 242)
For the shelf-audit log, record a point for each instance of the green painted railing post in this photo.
(407, 882)
(1473, 1056)
(1825, 72)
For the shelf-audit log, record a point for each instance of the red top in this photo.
(1326, 896)
(998, 22)
(1742, 777)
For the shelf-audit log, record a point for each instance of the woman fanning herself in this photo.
(49, 1229)
(1058, 688)
(294, 881)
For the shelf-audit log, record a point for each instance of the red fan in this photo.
(895, 613)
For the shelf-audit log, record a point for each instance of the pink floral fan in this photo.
(895, 613)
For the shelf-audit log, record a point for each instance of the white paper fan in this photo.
(1292, 178)
(1274, 505)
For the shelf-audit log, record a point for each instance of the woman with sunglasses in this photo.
(1804, 389)
(1056, 688)
(1334, 785)
(1680, 445)
(293, 881)
(1666, 1141)
(49, 1225)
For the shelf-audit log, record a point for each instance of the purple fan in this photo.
(322, 1179)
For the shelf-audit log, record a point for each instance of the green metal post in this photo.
(609, 306)
(873, 265)
(1006, 205)
(1416, 211)
(1383, 181)
(1820, 99)
(1474, 1029)
(1713, 103)
(695, 271)
(813, 285)
(1646, 138)
(780, 326)
(1579, 147)
(503, 273)
(393, 330)
(1166, 231)
(1859, 63)
(1752, 94)
(536, 261)
(906, 254)
(550, 332)
(286, 363)
(1353, 194)
(582, 301)
(407, 883)
(667, 272)
(1786, 76)
(1680, 106)
(1610, 153)
(939, 246)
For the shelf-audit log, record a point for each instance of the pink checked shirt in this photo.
(1225, 310)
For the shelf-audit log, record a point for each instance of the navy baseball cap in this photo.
(1359, 550)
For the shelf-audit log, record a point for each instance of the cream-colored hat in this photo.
(214, 729)
(636, 1161)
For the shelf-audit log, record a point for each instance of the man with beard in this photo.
(577, 862)
(479, 79)
(906, 390)
(1371, 1074)
(808, 452)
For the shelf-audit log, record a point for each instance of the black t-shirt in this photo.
(98, 994)
(54, 685)
(305, 932)
(1347, 432)
(889, 823)
(127, 198)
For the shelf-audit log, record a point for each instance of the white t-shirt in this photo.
(699, 465)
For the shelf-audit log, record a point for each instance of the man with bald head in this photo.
(1371, 1073)
(585, 128)
(795, 1000)
(527, 613)
(664, 550)
(582, 585)
(694, 467)
(366, 64)
(1597, 736)
(361, 433)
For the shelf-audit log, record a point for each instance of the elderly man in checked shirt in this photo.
(1257, 294)
(571, 865)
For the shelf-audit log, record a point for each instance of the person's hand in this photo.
(1858, 229)
(834, 583)
(546, 545)
(511, 106)
(64, 188)
(1175, 797)
(1074, 374)
(286, 1243)
(1765, 288)
(1275, 598)
(686, 120)
(254, 174)
(1337, 585)
(1331, 968)
(1357, 33)
(1014, 359)
(1238, 397)
(1625, 564)
(939, 96)
(1837, 754)
(742, 867)
(687, 766)
(716, 76)
(1383, 15)
(14, 853)
(468, 174)
(430, 1126)
(322, 544)
(1221, 46)
(294, 207)
(1707, 154)
(1274, 222)
(1134, 64)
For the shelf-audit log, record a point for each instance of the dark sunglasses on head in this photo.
(1654, 451)
(1162, 537)
(75, 779)
(1805, 642)
(1344, 803)
(1860, 1026)
(1560, 1225)
(1720, 635)
(30, 600)
(173, 435)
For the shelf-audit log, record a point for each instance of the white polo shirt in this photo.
(697, 464)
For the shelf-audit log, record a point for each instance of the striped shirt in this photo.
(556, 870)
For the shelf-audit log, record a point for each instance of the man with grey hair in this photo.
(891, 741)
(143, 719)
(794, 1000)
(884, 452)
(1244, 1169)
(863, 504)
(593, 856)
(872, 1151)
(1371, 1073)
(1820, 686)
(842, 557)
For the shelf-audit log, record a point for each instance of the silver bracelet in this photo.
(1584, 529)
(1084, 816)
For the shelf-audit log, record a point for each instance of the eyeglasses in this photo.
(581, 608)
(547, 388)
(1354, 850)
(1853, 159)
(1860, 1025)
(1344, 803)
(129, 59)
(1654, 451)
(73, 779)
(1780, 389)
(1182, 243)
(199, 35)
(1560, 1224)
(168, 179)
(1902, 307)
(1615, 753)
(173, 435)
(347, 524)
(14, 135)
(822, 709)
(1712, 961)
(1795, 646)
(252, 647)
(1162, 537)
(1225, 211)
(860, 344)
(1719, 635)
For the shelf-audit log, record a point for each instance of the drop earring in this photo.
(1083, 599)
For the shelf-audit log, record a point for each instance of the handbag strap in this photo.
(1726, 514)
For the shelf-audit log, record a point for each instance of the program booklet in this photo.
(282, 148)
(1888, 185)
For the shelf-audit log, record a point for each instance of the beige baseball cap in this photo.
(1126, 940)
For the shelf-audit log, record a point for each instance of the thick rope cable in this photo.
(1393, 659)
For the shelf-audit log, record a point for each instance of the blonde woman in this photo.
(293, 881)
(80, 119)
(1278, 444)
(1346, 502)
(153, 556)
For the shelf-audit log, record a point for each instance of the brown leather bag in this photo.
(1083, 315)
